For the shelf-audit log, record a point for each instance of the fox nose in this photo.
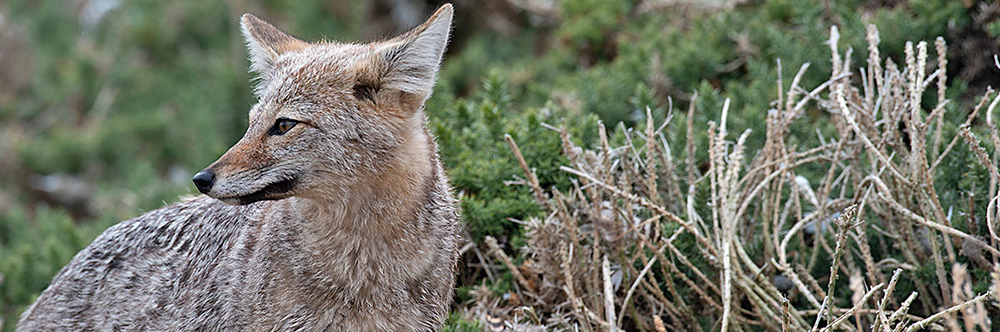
(204, 180)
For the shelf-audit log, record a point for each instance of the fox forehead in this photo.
(324, 78)
(317, 74)
(382, 81)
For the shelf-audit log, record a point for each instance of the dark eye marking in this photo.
(364, 91)
(281, 126)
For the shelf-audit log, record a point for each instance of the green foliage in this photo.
(455, 323)
(590, 24)
(35, 247)
(470, 134)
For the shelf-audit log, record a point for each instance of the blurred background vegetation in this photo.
(107, 107)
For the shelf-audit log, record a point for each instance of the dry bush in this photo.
(633, 245)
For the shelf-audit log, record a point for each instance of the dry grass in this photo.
(635, 246)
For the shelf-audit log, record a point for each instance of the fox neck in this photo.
(379, 215)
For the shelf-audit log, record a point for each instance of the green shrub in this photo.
(35, 247)
(455, 323)
(470, 135)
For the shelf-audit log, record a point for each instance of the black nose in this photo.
(204, 180)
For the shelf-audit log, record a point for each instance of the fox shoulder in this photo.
(142, 265)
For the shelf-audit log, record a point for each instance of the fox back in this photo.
(332, 213)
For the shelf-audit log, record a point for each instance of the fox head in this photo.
(330, 116)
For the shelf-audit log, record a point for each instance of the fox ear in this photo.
(265, 44)
(409, 63)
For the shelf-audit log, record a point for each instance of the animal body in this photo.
(332, 213)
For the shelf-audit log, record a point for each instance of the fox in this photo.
(332, 213)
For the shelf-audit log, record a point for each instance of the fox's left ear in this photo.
(409, 63)
(265, 44)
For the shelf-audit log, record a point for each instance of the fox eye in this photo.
(282, 126)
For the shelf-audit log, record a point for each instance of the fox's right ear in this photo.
(265, 44)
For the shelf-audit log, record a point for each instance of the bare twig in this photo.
(927, 321)
(609, 294)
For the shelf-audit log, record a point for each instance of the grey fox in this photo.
(332, 213)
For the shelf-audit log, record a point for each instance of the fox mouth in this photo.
(274, 191)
